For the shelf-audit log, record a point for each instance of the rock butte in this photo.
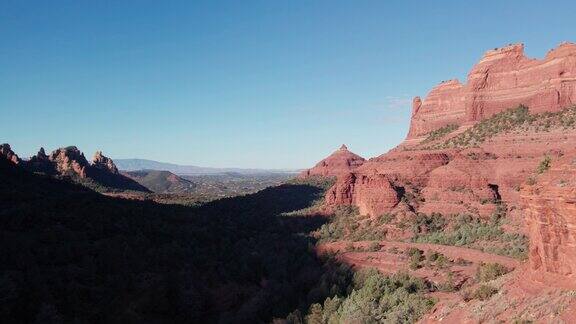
(338, 163)
(503, 78)
(470, 180)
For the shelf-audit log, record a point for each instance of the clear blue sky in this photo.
(268, 84)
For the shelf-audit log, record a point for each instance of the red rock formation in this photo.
(406, 166)
(444, 105)
(7, 153)
(338, 163)
(459, 187)
(373, 195)
(342, 191)
(102, 162)
(550, 209)
(504, 78)
(69, 161)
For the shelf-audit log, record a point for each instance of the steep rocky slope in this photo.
(502, 79)
(501, 145)
(550, 208)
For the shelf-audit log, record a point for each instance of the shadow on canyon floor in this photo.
(69, 254)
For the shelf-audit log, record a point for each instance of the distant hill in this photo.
(143, 164)
(161, 181)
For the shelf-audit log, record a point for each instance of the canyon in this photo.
(504, 140)
(471, 219)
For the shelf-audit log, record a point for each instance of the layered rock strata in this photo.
(504, 78)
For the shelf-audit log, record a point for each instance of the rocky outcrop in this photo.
(504, 78)
(338, 163)
(550, 209)
(373, 195)
(7, 153)
(459, 187)
(69, 161)
(41, 163)
(444, 105)
(105, 163)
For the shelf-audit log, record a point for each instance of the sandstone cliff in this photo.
(502, 79)
(550, 208)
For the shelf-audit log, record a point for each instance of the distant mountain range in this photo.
(143, 164)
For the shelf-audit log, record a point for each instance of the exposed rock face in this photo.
(338, 163)
(504, 78)
(102, 162)
(551, 216)
(459, 187)
(69, 161)
(342, 191)
(7, 153)
(444, 105)
(373, 195)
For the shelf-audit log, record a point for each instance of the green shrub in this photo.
(483, 292)
(439, 133)
(374, 247)
(348, 224)
(469, 231)
(449, 284)
(544, 165)
(427, 223)
(415, 256)
(490, 271)
(376, 298)
(386, 218)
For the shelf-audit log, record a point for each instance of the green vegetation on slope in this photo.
(490, 271)
(475, 233)
(499, 123)
(348, 224)
(516, 119)
(439, 133)
(374, 298)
